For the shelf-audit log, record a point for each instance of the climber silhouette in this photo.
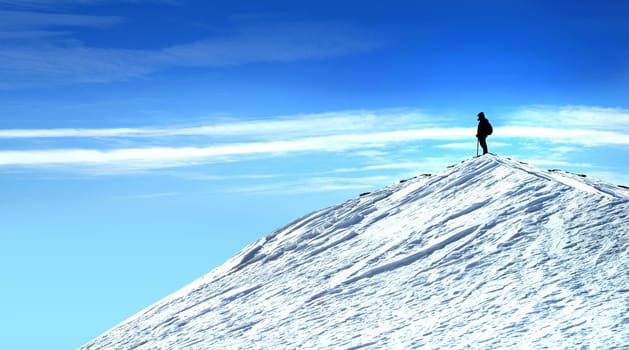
(484, 129)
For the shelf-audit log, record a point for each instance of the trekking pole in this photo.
(477, 147)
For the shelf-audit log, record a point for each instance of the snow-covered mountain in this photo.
(490, 253)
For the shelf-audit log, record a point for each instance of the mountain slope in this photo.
(488, 253)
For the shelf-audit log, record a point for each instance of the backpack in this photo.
(490, 129)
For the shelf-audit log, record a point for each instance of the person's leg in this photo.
(483, 143)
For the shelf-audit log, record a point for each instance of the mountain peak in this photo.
(490, 252)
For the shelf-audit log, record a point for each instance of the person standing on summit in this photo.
(484, 129)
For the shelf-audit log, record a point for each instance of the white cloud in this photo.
(612, 177)
(287, 126)
(376, 135)
(150, 195)
(568, 126)
(456, 145)
(66, 60)
(42, 66)
(390, 166)
(25, 20)
(362, 132)
(63, 133)
(278, 42)
(163, 157)
(55, 4)
(584, 118)
(315, 184)
(467, 145)
(564, 135)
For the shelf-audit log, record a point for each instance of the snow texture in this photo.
(490, 253)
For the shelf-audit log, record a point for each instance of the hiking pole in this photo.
(477, 147)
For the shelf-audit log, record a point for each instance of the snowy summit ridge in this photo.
(490, 253)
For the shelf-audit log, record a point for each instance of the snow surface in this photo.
(490, 253)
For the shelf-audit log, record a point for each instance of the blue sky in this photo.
(143, 143)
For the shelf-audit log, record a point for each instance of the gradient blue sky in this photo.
(143, 143)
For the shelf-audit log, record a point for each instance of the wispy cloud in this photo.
(560, 135)
(386, 137)
(389, 166)
(55, 4)
(42, 66)
(277, 42)
(150, 196)
(314, 184)
(306, 125)
(25, 20)
(54, 55)
(24, 30)
(210, 177)
(165, 157)
(576, 125)
(466, 145)
(572, 117)
(66, 133)
(366, 133)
